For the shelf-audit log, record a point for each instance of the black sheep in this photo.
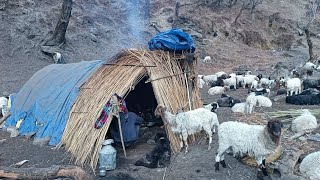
(219, 81)
(227, 101)
(311, 99)
(311, 83)
(159, 156)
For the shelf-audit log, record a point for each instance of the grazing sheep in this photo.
(217, 90)
(189, 123)
(160, 155)
(311, 99)
(208, 79)
(293, 85)
(248, 79)
(255, 140)
(239, 108)
(207, 59)
(310, 166)
(212, 106)
(267, 82)
(306, 121)
(263, 101)
(251, 102)
(232, 81)
(311, 83)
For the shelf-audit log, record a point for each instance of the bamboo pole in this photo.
(188, 93)
(121, 136)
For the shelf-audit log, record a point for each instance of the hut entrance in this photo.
(142, 101)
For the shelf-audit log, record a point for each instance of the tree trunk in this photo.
(43, 173)
(59, 33)
(309, 42)
(239, 14)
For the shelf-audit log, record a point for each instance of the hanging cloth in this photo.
(115, 105)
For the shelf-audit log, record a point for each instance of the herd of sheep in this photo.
(257, 141)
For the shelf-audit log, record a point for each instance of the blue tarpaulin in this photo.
(174, 40)
(45, 100)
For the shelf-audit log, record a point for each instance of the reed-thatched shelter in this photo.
(166, 73)
(60, 103)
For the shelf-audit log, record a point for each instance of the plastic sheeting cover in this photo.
(45, 100)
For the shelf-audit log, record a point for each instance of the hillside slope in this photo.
(99, 29)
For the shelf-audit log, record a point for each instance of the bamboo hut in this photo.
(173, 83)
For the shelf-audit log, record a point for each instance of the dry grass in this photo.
(169, 86)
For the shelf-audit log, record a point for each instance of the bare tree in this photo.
(59, 33)
(245, 4)
(254, 4)
(311, 13)
(231, 3)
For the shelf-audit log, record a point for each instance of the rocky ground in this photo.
(98, 29)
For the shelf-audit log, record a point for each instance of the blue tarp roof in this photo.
(45, 100)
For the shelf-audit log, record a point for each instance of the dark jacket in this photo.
(130, 128)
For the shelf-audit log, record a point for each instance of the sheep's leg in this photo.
(262, 170)
(214, 129)
(209, 132)
(184, 138)
(220, 157)
(181, 142)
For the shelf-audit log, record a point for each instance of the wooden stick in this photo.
(44, 173)
(135, 65)
(164, 174)
(120, 129)
(164, 77)
(188, 91)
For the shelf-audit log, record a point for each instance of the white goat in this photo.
(189, 123)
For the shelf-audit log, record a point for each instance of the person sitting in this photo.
(130, 124)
